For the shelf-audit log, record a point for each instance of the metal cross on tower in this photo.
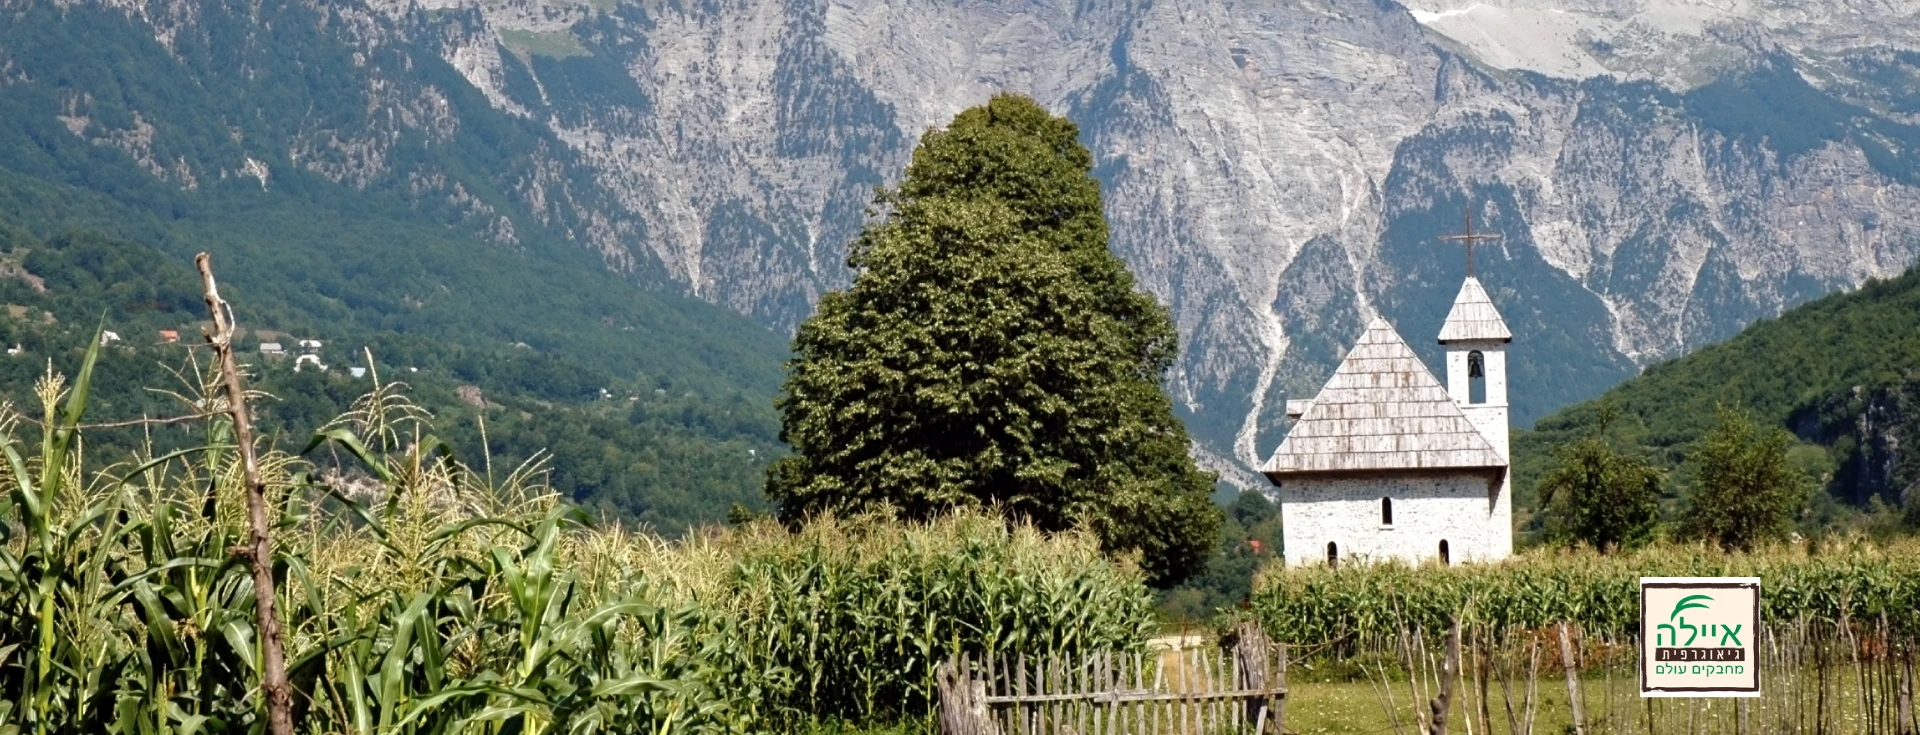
(1469, 238)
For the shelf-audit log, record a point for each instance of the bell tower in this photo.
(1476, 340)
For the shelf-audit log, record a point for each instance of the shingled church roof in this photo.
(1473, 317)
(1382, 410)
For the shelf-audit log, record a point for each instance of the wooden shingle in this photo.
(1473, 317)
(1383, 410)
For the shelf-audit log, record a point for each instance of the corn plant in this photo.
(859, 612)
(113, 616)
(418, 596)
(1852, 581)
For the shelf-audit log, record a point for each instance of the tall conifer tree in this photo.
(993, 351)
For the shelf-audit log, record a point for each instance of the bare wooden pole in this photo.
(1906, 688)
(1442, 705)
(1820, 707)
(1413, 680)
(1533, 682)
(259, 553)
(1506, 668)
(963, 699)
(1483, 670)
(1385, 692)
(1573, 680)
(1280, 707)
(1250, 668)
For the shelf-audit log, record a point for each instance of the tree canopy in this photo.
(1748, 492)
(993, 352)
(1600, 495)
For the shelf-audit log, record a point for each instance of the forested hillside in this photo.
(355, 190)
(1841, 373)
(664, 420)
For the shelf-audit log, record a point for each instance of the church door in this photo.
(1444, 558)
(1333, 555)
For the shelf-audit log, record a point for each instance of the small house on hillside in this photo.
(310, 345)
(169, 336)
(272, 349)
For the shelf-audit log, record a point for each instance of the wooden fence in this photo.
(1199, 691)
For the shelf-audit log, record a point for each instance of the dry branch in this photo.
(259, 554)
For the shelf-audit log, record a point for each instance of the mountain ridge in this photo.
(1275, 174)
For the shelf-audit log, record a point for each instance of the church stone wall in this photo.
(1455, 507)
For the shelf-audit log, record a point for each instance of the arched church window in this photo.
(1476, 377)
(1386, 511)
(1445, 558)
(1333, 555)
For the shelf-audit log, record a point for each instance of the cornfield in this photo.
(1813, 678)
(1835, 646)
(421, 595)
(1851, 582)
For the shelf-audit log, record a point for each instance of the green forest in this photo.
(1838, 373)
(664, 445)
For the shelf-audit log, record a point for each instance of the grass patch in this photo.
(552, 45)
(909, 726)
(1354, 708)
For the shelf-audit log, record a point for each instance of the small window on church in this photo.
(1445, 558)
(1386, 511)
(1476, 377)
(1333, 555)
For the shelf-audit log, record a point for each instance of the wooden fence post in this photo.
(1280, 705)
(1193, 692)
(1905, 712)
(1449, 673)
(1250, 651)
(1573, 680)
(1483, 673)
(963, 700)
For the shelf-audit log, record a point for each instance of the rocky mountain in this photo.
(1662, 172)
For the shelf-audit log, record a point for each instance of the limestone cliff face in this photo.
(1661, 172)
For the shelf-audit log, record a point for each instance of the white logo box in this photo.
(1699, 636)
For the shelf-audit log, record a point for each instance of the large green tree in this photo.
(1748, 493)
(1599, 495)
(993, 352)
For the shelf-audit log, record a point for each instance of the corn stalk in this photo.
(418, 597)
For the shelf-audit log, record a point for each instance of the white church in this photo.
(1385, 463)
